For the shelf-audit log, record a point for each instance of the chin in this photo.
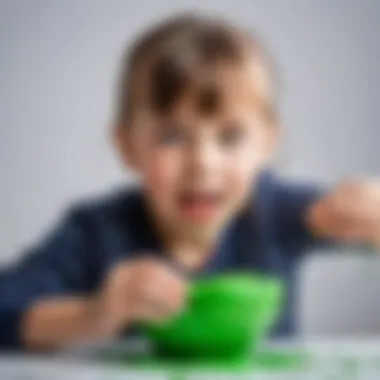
(202, 231)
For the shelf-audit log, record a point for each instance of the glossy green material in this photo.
(267, 362)
(226, 318)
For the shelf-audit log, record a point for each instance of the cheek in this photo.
(243, 165)
(162, 170)
(240, 178)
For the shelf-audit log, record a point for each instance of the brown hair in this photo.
(160, 65)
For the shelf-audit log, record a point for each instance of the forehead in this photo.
(206, 89)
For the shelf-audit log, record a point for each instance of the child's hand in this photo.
(142, 290)
(350, 213)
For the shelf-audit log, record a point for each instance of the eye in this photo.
(232, 135)
(171, 135)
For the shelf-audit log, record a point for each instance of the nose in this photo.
(205, 158)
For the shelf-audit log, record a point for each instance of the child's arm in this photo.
(349, 213)
(50, 300)
(56, 267)
(139, 290)
(61, 322)
(306, 217)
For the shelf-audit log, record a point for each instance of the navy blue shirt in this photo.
(270, 236)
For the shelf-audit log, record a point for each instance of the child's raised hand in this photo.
(141, 290)
(350, 213)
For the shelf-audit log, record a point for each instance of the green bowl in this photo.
(226, 318)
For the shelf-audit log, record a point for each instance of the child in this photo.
(196, 119)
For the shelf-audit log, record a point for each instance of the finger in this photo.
(329, 215)
(150, 313)
(160, 287)
(141, 307)
(356, 232)
(172, 282)
(158, 299)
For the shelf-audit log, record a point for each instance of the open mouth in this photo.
(200, 205)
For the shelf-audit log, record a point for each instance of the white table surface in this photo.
(327, 356)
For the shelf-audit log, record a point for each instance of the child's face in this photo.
(199, 170)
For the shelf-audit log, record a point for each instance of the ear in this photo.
(122, 142)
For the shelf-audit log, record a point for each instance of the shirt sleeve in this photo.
(292, 203)
(57, 266)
